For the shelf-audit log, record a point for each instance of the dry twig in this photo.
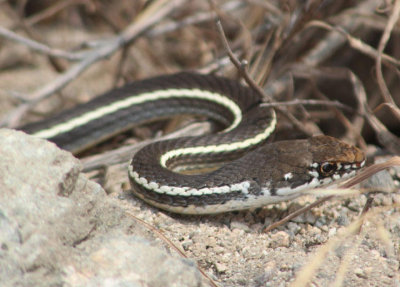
(311, 102)
(42, 48)
(356, 43)
(241, 66)
(149, 17)
(382, 44)
(54, 9)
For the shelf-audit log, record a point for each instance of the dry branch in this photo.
(149, 17)
(382, 44)
(241, 67)
(41, 48)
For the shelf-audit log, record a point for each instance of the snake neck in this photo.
(270, 173)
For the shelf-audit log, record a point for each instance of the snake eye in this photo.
(327, 168)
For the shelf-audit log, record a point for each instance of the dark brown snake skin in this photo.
(256, 173)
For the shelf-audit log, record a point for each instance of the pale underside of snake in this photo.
(249, 172)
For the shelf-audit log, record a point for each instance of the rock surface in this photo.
(57, 228)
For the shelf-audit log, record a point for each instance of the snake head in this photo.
(333, 159)
(311, 163)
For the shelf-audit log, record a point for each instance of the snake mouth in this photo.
(317, 178)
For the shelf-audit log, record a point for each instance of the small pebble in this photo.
(293, 227)
(343, 219)
(220, 267)
(307, 217)
(360, 273)
(332, 232)
(187, 244)
(280, 239)
(240, 225)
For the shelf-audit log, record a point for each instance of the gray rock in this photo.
(123, 260)
(57, 228)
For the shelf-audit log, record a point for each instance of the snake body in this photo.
(251, 173)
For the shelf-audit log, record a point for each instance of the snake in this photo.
(235, 168)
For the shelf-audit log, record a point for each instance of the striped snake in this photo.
(242, 170)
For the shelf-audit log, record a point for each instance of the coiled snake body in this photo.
(251, 173)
